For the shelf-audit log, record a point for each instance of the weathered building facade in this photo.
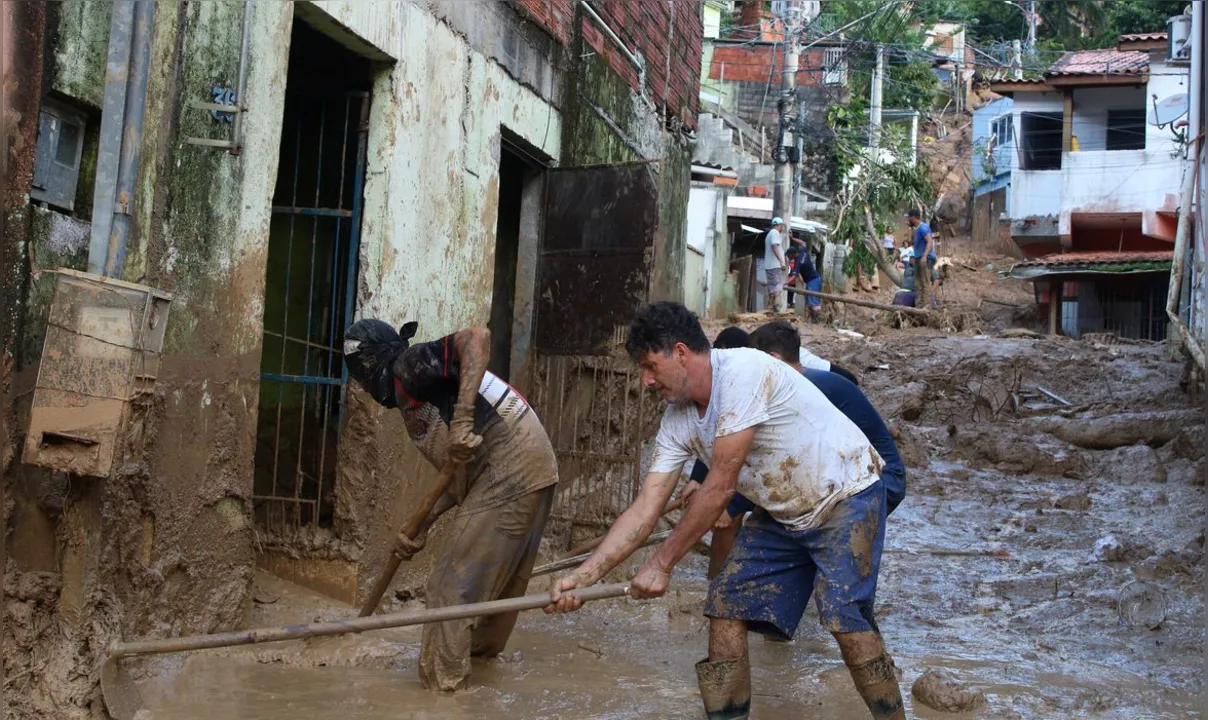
(521, 165)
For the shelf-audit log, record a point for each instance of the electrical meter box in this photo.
(101, 354)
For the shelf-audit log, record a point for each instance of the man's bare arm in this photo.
(631, 529)
(473, 347)
(708, 503)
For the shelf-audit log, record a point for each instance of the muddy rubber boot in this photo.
(725, 687)
(877, 683)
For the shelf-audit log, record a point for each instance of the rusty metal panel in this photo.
(600, 224)
(597, 416)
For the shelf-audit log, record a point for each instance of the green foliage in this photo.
(859, 260)
(888, 188)
(1141, 16)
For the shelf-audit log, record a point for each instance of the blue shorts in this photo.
(816, 286)
(772, 571)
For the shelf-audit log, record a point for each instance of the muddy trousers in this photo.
(489, 556)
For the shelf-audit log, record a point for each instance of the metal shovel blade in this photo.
(122, 698)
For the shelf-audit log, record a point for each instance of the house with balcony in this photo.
(1093, 160)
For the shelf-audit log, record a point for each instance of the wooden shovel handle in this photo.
(410, 531)
(355, 625)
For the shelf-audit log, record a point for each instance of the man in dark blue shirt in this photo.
(924, 258)
(804, 275)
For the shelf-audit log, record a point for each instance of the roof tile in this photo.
(1101, 62)
(1107, 257)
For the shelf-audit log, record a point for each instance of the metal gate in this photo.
(599, 230)
(309, 299)
(594, 410)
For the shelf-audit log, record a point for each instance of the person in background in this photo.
(888, 243)
(924, 258)
(805, 274)
(775, 265)
(735, 337)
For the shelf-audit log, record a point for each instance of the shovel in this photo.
(124, 702)
(417, 525)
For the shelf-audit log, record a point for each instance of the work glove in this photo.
(463, 441)
(407, 548)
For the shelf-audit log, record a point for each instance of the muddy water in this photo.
(1038, 632)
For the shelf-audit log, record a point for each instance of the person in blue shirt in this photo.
(924, 258)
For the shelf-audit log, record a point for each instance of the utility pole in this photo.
(1031, 28)
(874, 111)
(782, 200)
(1016, 61)
(798, 204)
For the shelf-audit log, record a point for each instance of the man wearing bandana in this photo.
(456, 411)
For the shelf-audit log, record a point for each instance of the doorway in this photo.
(517, 229)
(311, 273)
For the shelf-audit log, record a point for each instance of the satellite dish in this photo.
(1164, 112)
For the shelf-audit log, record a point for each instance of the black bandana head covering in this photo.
(370, 348)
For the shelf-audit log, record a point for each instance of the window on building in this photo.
(834, 67)
(1001, 130)
(1040, 141)
(1126, 129)
(57, 159)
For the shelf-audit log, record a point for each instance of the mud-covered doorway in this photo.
(517, 242)
(311, 279)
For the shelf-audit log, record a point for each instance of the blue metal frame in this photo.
(332, 315)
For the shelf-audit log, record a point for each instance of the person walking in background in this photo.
(775, 265)
(924, 258)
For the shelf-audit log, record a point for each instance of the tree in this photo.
(1141, 16)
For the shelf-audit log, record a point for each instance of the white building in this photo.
(1095, 175)
(1086, 162)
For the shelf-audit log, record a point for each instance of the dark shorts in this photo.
(772, 571)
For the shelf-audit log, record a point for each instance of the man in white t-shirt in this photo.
(775, 266)
(771, 435)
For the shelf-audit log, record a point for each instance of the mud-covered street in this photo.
(1047, 556)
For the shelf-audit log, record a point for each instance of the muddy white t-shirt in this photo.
(806, 455)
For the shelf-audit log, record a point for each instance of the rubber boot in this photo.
(877, 683)
(725, 687)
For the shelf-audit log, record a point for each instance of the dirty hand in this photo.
(650, 582)
(560, 598)
(723, 521)
(463, 441)
(407, 548)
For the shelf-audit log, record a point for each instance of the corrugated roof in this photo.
(1101, 62)
(1143, 37)
(1093, 263)
(1107, 257)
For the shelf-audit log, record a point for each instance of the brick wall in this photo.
(556, 16)
(666, 33)
(754, 63)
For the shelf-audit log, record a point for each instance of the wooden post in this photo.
(1055, 290)
(1067, 122)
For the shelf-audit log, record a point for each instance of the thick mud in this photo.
(1048, 556)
